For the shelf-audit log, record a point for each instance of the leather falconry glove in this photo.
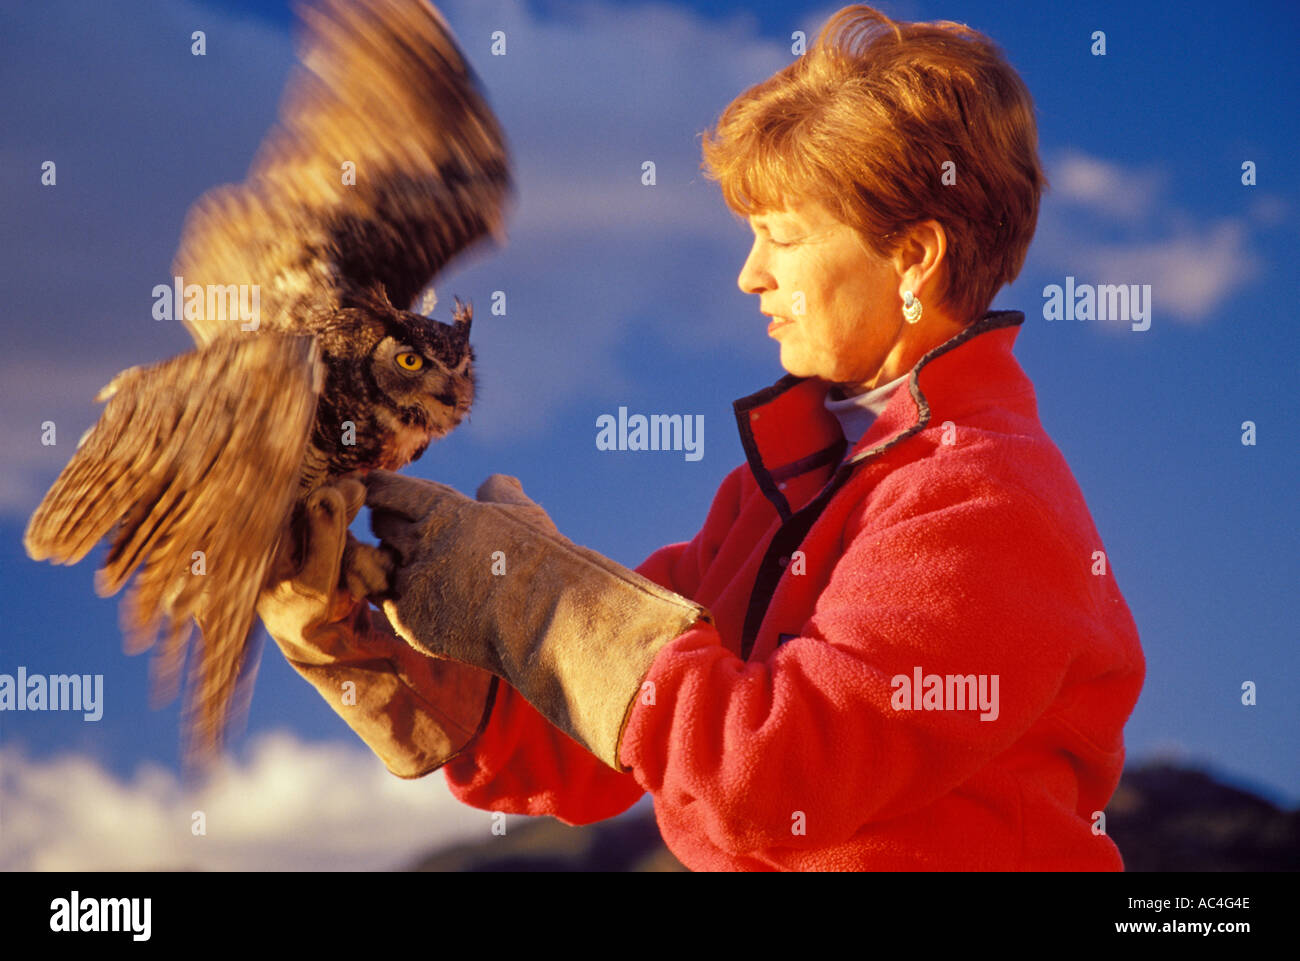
(416, 713)
(492, 583)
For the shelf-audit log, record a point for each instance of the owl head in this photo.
(405, 380)
(425, 369)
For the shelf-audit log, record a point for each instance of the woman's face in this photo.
(835, 306)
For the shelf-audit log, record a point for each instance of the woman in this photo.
(896, 642)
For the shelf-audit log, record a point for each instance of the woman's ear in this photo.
(920, 259)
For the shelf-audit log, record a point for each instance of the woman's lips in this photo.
(776, 324)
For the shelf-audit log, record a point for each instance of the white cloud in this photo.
(1190, 274)
(291, 806)
(1106, 223)
(1106, 187)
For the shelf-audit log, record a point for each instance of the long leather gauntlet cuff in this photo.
(415, 712)
(571, 630)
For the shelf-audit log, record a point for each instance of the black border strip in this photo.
(742, 407)
(827, 455)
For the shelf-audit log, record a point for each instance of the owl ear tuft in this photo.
(463, 315)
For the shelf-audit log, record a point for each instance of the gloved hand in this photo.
(416, 713)
(493, 584)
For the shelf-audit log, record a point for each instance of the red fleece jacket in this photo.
(955, 541)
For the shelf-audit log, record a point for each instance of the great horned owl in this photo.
(385, 164)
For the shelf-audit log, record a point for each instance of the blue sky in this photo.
(619, 295)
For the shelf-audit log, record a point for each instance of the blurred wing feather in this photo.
(383, 87)
(198, 453)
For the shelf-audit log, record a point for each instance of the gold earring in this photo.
(911, 308)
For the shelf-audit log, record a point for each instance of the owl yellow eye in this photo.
(408, 360)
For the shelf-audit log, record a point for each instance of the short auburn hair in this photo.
(865, 122)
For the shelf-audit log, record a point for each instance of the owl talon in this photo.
(367, 571)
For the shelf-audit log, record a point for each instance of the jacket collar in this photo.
(787, 431)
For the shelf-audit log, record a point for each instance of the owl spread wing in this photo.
(386, 163)
(192, 470)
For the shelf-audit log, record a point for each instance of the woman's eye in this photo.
(408, 360)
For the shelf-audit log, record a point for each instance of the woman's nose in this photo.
(753, 277)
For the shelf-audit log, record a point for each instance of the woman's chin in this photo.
(795, 364)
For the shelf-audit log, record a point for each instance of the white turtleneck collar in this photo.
(856, 414)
